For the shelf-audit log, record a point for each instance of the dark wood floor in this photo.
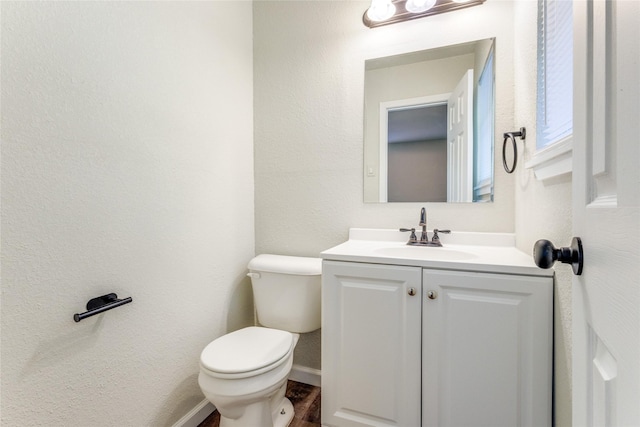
(306, 406)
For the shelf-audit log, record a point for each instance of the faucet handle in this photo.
(412, 238)
(435, 237)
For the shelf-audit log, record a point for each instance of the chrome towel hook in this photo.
(512, 136)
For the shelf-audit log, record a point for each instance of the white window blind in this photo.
(555, 72)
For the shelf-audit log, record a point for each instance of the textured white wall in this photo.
(309, 79)
(116, 173)
(127, 167)
(543, 211)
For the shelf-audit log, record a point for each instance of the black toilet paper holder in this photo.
(100, 305)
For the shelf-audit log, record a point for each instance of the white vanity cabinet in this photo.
(412, 346)
(371, 335)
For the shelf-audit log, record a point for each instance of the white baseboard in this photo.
(301, 374)
(196, 415)
(305, 375)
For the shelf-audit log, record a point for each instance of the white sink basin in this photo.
(487, 252)
(425, 253)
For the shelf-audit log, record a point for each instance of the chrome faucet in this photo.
(424, 237)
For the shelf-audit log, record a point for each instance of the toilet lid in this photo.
(246, 350)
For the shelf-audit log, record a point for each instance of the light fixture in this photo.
(385, 12)
(417, 6)
(381, 10)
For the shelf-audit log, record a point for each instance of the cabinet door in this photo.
(487, 348)
(370, 345)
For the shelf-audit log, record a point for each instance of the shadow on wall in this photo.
(51, 352)
(240, 313)
(182, 399)
(176, 404)
(562, 352)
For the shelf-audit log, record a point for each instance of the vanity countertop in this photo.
(467, 251)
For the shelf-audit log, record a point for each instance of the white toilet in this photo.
(244, 373)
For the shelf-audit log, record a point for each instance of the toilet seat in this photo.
(247, 352)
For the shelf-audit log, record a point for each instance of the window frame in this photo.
(554, 159)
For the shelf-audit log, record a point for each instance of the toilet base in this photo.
(281, 415)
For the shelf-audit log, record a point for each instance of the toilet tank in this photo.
(287, 291)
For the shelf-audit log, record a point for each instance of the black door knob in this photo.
(545, 254)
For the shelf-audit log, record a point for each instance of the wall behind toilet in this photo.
(126, 167)
(308, 109)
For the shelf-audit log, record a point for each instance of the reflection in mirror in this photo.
(428, 133)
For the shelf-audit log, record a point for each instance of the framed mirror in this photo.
(429, 125)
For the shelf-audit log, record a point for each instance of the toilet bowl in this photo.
(244, 373)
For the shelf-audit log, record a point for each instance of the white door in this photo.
(460, 141)
(606, 213)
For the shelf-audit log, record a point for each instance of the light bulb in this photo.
(417, 6)
(381, 10)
